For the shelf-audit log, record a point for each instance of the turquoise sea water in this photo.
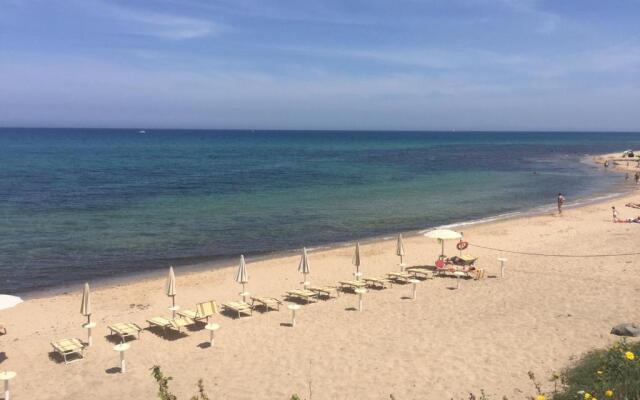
(101, 203)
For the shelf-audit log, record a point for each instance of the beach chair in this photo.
(302, 294)
(324, 290)
(443, 268)
(351, 285)
(176, 324)
(239, 307)
(66, 347)
(203, 311)
(378, 282)
(420, 272)
(266, 302)
(400, 276)
(479, 274)
(124, 329)
(466, 261)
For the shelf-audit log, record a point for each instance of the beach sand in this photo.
(545, 312)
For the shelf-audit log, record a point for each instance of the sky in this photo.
(321, 64)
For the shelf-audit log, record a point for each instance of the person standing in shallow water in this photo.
(560, 203)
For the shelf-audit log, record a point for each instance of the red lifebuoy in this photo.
(462, 245)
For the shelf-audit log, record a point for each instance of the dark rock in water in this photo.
(629, 329)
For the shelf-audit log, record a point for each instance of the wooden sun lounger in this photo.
(324, 290)
(124, 329)
(352, 285)
(400, 276)
(266, 302)
(377, 282)
(239, 307)
(66, 347)
(176, 324)
(203, 311)
(302, 294)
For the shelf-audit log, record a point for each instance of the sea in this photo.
(82, 205)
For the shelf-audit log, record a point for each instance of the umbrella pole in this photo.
(442, 251)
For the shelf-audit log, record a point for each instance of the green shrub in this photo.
(613, 373)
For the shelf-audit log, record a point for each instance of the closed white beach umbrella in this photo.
(443, 234)
(400, 248)
(304, 264)
(8, 301)
(170, 287)
(85, 306)
(356, 258)
(242, 276)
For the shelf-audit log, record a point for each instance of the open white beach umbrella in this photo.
(170, 287)
(356, 257)
(8, 301)
(242, 276)
(400, 248)
(85, 306)
(443, 234)
(304, 264)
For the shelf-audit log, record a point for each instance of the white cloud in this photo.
(161, 25)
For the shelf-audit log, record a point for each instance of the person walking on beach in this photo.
(615, 214)
(560, 203)
(637, 177)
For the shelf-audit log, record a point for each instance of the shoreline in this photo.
(621, 189)
(444, 343)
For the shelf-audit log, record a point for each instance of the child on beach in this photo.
(615, 214)
(560, 203)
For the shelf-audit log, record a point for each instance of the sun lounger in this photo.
(352, 285)
(324, 290)
(239, 307)
(302, 294)
(378, 282)
(400, 276)
(420, 272)
(462, 261)
(66, 347)
(479, 274)
(124, 329)
(442, 268)
(266, 302)
(203, 311)
(176, 324)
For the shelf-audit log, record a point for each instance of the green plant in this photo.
(163, 386)
(612, 373)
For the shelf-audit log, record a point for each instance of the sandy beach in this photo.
(544, 313)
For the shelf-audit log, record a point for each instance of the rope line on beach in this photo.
(554, 255)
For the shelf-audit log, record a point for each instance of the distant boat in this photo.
(142, 131)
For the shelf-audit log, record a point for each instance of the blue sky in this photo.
(365, 64)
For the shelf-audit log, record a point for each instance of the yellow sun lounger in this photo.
(66, 347)
(176, 324)
(421, 272)
(378, 282)
(324, 290)
(400, 276)
(266, 302)
(239, 307)
(352, 285)
(203, 311)
(124, 329)
(302, 294)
